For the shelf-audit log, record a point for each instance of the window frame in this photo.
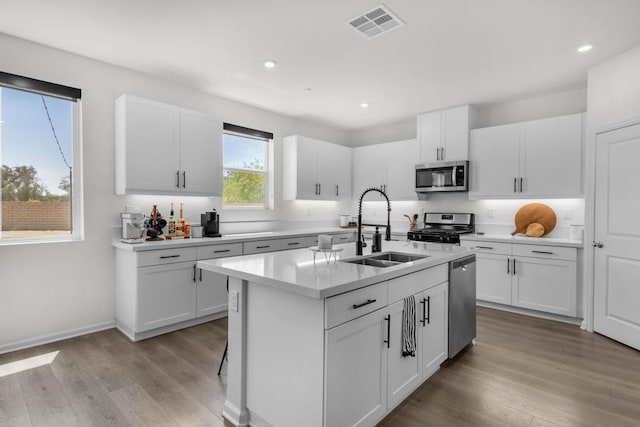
(268, 173)
(73, 95)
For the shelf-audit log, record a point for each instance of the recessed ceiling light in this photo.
(308, 89)
(585, 48)
(270, 63)
(364, 104)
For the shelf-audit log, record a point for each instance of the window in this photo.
(246, 167)
(39, 148)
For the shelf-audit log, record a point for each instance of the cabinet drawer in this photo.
(219, 251)
(259, 246)
(344, 238)
(488, 247)
(347, 306)
(417, 282)
(548, 252)
(166, 256)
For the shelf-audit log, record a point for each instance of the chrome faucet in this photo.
(387, 235)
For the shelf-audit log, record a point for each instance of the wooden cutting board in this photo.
(535, 212)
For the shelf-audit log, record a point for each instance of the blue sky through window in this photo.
(240, 151)
(26, 138)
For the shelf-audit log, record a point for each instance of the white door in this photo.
(493, 278)
(356, 371)
(369, 168)
(403, 371)
(200, 154)
(493, 157)
(455, 125)
(617, 262)
(429, 136)
(212, 293)
(307, 168)
(152, 146)
(402, 157)
(328, 167)
(166, 295)
(551, 157)
(434, 328)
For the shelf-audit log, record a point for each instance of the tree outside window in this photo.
(245, 171)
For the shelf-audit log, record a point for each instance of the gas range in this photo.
(443, 227)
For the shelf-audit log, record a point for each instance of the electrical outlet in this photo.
(491, 213)
(233, 300)
(566, 213)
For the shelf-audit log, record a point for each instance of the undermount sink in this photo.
(385, 259)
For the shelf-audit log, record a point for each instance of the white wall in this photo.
(490, 114)
(49, 290)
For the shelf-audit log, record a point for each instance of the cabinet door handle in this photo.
(542, 252)
(443, 155)
(201, 275)
(515, 184)
(337, 190)
(194, 273)
(484, 247)
(343, 238)
(169, 256)
(388, 340)
(369, 301)
(219, 251)
(184, 179)
(521, 184)
(263, 247)
(424, 311)
(437, 153)
(293, 243)
(177, 179)
(428, 310)
(508, 265)
(514, 266)
(319, 189)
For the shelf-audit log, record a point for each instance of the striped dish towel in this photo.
(409, 327)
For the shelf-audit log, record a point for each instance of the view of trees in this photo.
(244, 188)
(21, 183)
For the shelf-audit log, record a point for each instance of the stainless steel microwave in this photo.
(442, 176)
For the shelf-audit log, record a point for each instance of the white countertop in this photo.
(520, 239)
(229, 238)
(295, 271)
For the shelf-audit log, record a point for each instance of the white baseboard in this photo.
(533, 313)
(58, 336)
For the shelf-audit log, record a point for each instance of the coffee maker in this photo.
(210, 222)
(132, 226)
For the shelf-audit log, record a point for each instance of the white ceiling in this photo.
(449, 52)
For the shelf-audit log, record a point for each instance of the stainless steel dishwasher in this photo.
(462, 304)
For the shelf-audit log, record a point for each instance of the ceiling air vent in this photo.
(376, 22)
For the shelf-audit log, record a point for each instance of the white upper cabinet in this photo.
(315, 170)
(389, 166)
(164, 149)
(536, 159)
(444, 135)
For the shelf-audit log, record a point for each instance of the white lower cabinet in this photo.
(166, 295)
(365, 370)
(356, 364)
(536, 277)
(212, 295)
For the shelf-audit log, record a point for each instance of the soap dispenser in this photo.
(376, 246)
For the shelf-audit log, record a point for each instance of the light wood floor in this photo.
(522, 372)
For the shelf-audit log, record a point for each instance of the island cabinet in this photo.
(534, 277)
(166, 149)
(539, 158)
(315, 170)
(339, 359)
(162, 290)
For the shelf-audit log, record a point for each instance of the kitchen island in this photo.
(318, 343)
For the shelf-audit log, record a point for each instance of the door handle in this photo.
(514, 266)
(515, 184)
(169, 256)
(542, 252)
(201, 275)
(484, 247)
(598, 244)
(424, 311)
(388, 340)
(184, 179)
(177, 179)
(428, 310)
(443, 155)
(508, 264)
(362, 304)
(521, 184)
(337, 190)
(319, 189)
(194, 273)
